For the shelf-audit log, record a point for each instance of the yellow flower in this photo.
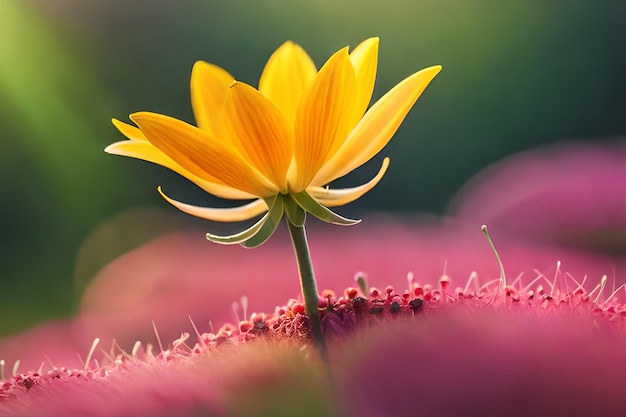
(279, 144)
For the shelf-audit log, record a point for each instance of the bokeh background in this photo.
(516, 75)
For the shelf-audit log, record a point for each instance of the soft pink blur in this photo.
(224, 382)
(486, 363)
(572, 194)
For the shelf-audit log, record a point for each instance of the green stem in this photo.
(308, 284)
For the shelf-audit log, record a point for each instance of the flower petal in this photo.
(139, 147)
(197, 152)
(145, 151)
(236, 214)
(365, 61)
(260, 132)
(377, 126)
(323, 118)
(130, 131)
(209, 85)
(334, 198)
(288, 74)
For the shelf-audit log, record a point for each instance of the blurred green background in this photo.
(517, 74)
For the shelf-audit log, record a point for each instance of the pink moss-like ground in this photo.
(180, 275)
(550, 347)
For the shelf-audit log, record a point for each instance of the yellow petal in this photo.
(377, 126)
(209, 85)
(260, 132)
(144, 150)
(334, 198)
(365, 61)
(197, 152)
(288, 74)
(130, 131)
(323, 118)
(235, 214)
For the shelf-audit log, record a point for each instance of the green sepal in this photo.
(311, 205)
(295, 214)
(274, 216)
(248, 233)
(238, 237)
